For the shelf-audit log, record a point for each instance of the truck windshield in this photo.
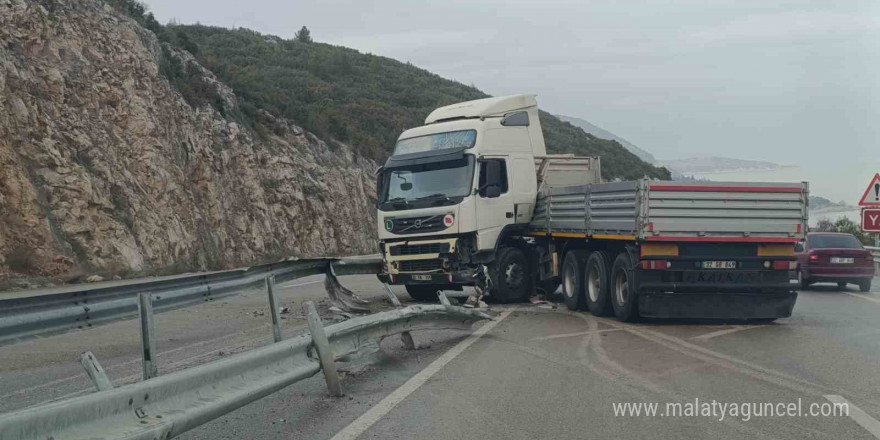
(437, 141)
(427, 184)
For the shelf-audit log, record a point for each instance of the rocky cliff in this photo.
(104, 166)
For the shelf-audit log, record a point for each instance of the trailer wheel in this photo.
(596, 280)
(623, 297)
(424, 292)
(573, 279)
(510, 277)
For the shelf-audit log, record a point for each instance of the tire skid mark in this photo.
(633, 379)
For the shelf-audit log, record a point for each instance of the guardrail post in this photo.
(273, 307)
(392, 296)
(405, 337)
(148, 335)
(95, 371)
(443, 299)
(325, 352)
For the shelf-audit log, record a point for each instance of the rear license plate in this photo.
(421, 277)
(719, 265)
(842, 260)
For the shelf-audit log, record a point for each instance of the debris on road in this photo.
(538, 299)
(284, 310)
(258, 313)
(339, 313)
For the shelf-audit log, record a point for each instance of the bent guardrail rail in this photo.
(166, 406)
(27, 316)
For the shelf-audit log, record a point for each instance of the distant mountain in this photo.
(600, 132)
(822, 204)
(715, 164)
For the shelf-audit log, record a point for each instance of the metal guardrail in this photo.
(875, 251)
(166, 406)
(28, 316)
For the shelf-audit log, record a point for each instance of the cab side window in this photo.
(484, 174)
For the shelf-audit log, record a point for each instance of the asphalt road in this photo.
(535, 372)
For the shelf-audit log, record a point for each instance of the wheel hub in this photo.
(593, 284)
(620, 288)
(513, 275)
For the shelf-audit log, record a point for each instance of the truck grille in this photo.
(417, 225)
(417, 249)
(421, 265)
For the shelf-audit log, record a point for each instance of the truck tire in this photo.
(424, 292)
(511, 279)
(841, 285)
(865, 286)
(623, 296)
(597, 282)
(573, 279)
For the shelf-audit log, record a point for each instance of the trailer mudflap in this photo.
(719, 305)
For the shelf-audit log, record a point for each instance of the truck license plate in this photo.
(841, 260)
(719, 265)
(421, 277)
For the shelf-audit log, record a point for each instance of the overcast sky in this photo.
(792, 82)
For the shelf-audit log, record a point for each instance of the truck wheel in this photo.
(424, 292)
(511, 280)
(623, 296)
(573, 279)
(865, 286)
(597, 283)
(841, 285)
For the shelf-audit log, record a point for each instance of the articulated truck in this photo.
(473, 199)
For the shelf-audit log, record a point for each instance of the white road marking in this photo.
(570, 335)
(726, 331)
(862, 418)
(867, 298)
(369, 418)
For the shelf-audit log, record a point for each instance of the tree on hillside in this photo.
(825, 225)
(303, 35)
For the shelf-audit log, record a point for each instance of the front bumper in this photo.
(739, 306)
(465, 278)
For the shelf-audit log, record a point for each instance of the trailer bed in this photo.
(675, 211)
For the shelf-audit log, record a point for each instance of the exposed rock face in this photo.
(104, 165)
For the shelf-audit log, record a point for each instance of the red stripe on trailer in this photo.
(726, 239)
(706, 188)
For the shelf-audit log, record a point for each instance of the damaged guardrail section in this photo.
(166, 406)
(85, 306)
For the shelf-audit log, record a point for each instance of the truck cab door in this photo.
(494, 202)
